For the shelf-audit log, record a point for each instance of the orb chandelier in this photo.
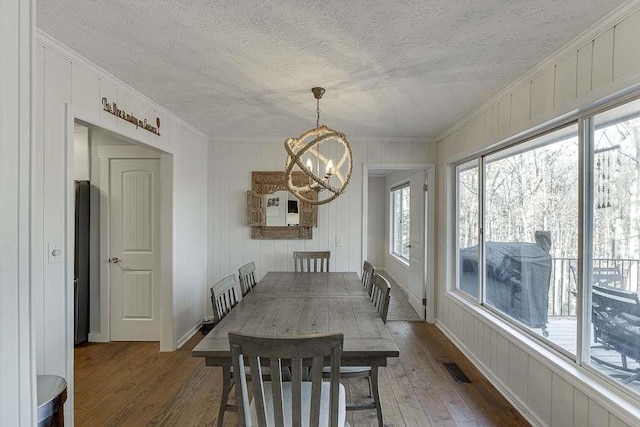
(312, 152)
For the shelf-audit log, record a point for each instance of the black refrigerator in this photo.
(81, 263)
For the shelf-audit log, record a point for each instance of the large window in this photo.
(614, 264)
(523, 233)
(531, 234)
(401, 221)
(468, 228)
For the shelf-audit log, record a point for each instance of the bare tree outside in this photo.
(531, 190)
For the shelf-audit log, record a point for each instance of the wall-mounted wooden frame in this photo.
(268, 182)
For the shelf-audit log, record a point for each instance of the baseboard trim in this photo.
(517, 403)
(95, 337)
(186, 337)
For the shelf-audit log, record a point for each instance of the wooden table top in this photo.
(290, 304)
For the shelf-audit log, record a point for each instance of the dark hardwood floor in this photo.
(133, 384)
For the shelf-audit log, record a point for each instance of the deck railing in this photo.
(562, 300)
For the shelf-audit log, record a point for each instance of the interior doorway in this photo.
(398, 221)
(126, 238)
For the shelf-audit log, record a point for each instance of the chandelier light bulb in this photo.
(310, 165)
(329, 168)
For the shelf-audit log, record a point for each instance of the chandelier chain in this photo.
(318, 112)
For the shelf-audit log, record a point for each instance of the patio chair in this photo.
(602, 276)
(616, 324)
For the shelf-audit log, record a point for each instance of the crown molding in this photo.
(604, 24)
(75, 58)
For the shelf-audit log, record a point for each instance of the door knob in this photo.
(114, 260)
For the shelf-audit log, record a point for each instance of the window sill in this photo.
(401, 260)
(623, 405)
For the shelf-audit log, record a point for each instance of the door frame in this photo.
(166, 236)
(428, 229)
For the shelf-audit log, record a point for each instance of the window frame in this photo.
(392, 230)
(480, 163)
(586, 128)
(457, 169)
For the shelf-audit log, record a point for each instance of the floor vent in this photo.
(456, 373)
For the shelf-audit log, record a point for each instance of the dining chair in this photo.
(307, 262)
(296, 402)
(380, 296)
(367, 276)
(225, 294)
(247, 275)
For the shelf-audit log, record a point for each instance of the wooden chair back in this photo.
(247, 275)
(381, 295)
(311, 350)
(225, 295)
(367, 276)
(307, 262)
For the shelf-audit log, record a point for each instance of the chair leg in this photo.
(376, 394)
(226, 387)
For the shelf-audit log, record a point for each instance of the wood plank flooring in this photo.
(133, 384)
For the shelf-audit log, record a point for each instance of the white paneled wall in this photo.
(599, 64)
(376, 221)
(64, 78)
(231, 164)
(17, 367)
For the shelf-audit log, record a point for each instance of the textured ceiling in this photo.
(243, 68)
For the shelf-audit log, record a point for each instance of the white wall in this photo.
(17, 380)
(62, 78)
(547, 389)
(231, 164)
(375, 221)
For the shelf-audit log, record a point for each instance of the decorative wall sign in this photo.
(139, 123)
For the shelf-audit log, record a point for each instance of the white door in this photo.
(417, 249)
(134, 234)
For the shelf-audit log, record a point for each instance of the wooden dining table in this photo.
(288, 304)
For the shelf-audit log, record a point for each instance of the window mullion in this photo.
(481, 228)
(585, 237)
